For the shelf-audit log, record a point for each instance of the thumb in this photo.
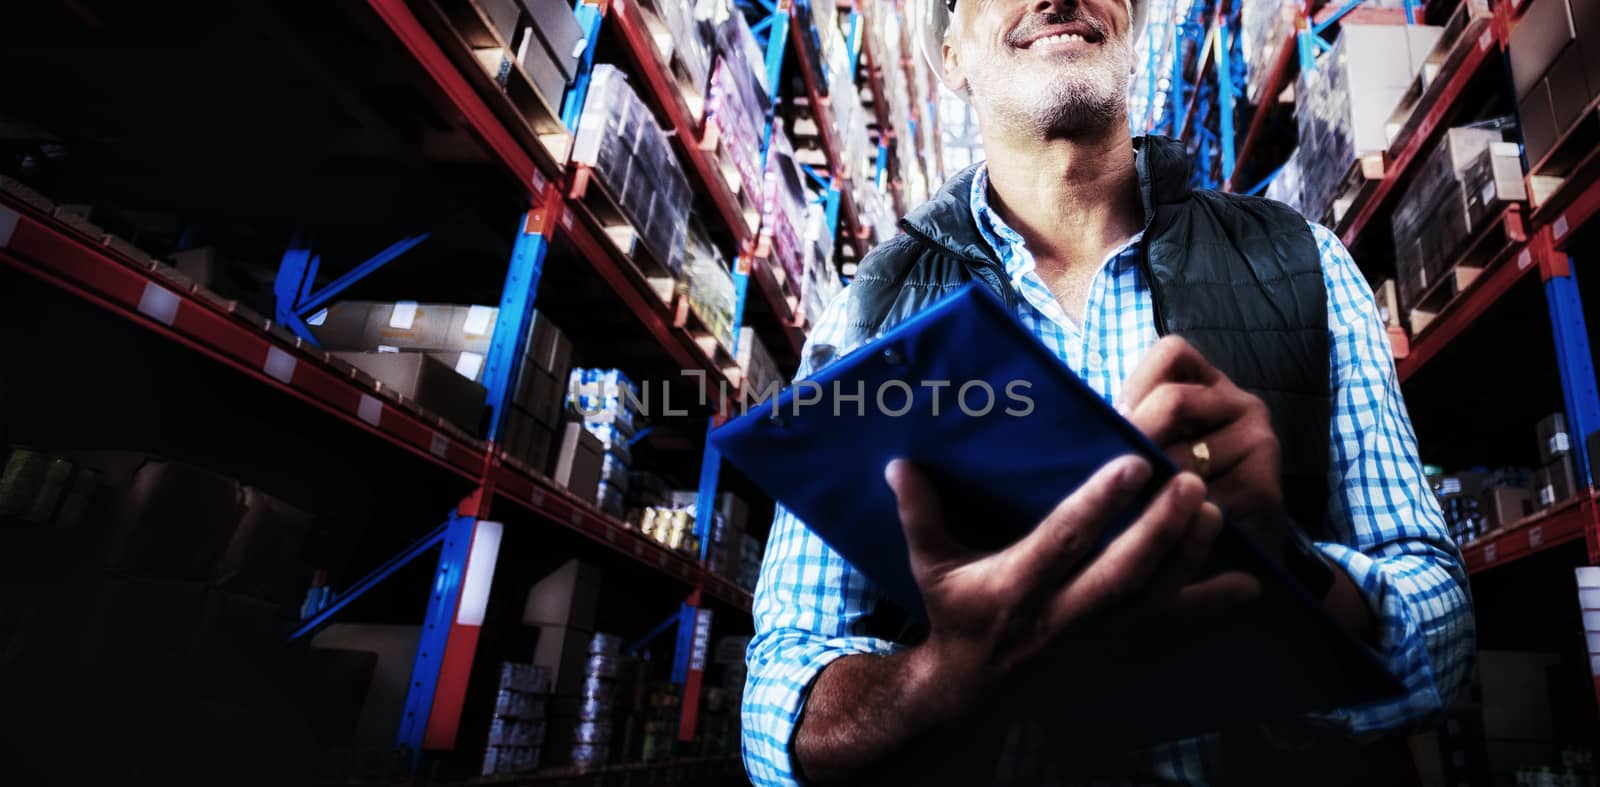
(922, 518)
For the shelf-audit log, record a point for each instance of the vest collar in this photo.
(946, 220)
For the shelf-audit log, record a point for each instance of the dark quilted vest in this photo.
(1240, 278)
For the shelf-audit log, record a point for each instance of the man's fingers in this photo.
(1122, 573)
(921, 517)
(1170, 360)
(1177, 411)
(1215, 595)
(1055, 548)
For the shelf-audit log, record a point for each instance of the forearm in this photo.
(878, 719)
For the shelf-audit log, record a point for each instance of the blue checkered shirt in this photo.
(811, 605)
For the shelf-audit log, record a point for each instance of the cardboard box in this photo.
(527, 439)
(396, 649)
(1492, 179)
(198, 264)
(1554, 440)
(503, 16)
(1586, 24)
(1537, 40)
(1555, 482)
(265, 557)
(404, 325)
(1538, 122)
(558, 30)
(1388, 303)
(540, 64)
(1505, 505)
(133, 625)
(1570, 90)
(427, 380)
(565, 598)
(542, 395)
(565, 652)
(577, 465)
(174, 521)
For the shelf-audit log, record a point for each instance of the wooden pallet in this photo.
(590, 191)
(1353, 186)
(463, 31)
(1488, 248)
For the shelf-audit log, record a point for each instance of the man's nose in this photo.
(1052, 6)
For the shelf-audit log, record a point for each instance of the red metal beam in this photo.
(203, 323)
(1566, 522)
(1438, 104)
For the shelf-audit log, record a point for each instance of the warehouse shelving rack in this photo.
(1502, 256)
(527, 140)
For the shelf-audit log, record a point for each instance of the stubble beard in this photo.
(1066, 100)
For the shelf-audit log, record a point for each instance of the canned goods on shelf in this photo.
(585, 755)
(594, 732)
(594, 708)
(605, 645)
(602, 666)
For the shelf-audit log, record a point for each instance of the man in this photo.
(1242, 340)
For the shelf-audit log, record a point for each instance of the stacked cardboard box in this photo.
(762, 380)
(543, 35)
(784, 211)
(1462, 181)
(1478, 502)
(619, 137)
(749, 561)
(689, 41)
(1557, 478)
(1285, 186)
(1555, 69)
(739, 104)
(1345, 103)
(517, 727)
(609, 404)
(708, 285)
(1264, 27)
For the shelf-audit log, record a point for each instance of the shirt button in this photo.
(1097, 362)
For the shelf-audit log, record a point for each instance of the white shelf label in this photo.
(576, 518)
(1559, 443)
(8, 225)
(1524, 260)
(1486, 39)
(439, 445)
(1559, 228)
(159, 303)
(404, 315)
(1491, 551)
(478, 318)
(370, 409)
(537, 498)
(1547, 496)
(1535, 536)
(279, 366)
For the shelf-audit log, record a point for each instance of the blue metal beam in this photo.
(589, 18)
(503, 364)
(371, 581)
(1576, 365)
(1225, 96)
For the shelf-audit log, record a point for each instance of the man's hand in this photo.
(1179, 400)
(992, 616)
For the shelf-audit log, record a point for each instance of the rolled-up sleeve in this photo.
(1389, 535)
(810, 609)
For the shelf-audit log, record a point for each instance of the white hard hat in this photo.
(931, 18)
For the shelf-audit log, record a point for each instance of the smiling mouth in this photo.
(1059, 38)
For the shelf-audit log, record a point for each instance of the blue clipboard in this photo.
(1014, 431)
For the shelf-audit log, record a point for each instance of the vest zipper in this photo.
(1157, 310)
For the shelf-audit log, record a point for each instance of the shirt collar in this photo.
(1008, 245)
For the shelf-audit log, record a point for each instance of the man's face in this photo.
(1042, 66)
